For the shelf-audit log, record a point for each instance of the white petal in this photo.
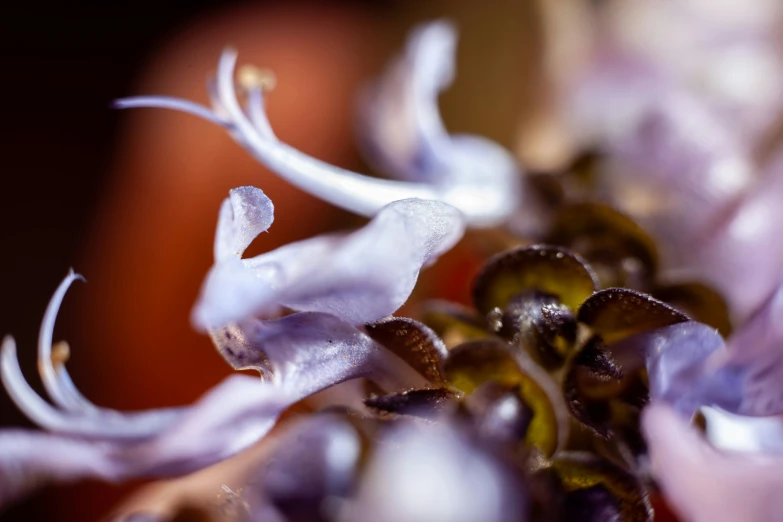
(176, 104)
(359, 277)
(243, 215)
(257, 113)
(341, 187)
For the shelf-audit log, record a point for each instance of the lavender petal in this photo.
(245, 214)
(312, 351)
(755, 352)
(679, 370)
(360, 277)
(402, 130)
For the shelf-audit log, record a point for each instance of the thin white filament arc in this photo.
(170, 102)
(103, 426)
(257, 113)
(355, 192)
(75, 415)
(57, 382)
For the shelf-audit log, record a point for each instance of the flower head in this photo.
(565, 393)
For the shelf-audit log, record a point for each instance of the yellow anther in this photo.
(60, 353)
(251, 77)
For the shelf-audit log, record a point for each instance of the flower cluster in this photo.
(568, 390)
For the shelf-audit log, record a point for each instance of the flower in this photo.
(476, 176)
(298, 355)
(360, 277)
(565, 394)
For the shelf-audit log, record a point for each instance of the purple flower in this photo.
(473, 174)
(478, 431)
(335, 280)
(359, 277)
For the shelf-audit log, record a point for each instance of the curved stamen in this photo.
(60, 354)
(56, 380)
(108, 425)
(484, 201)
(346, 189)
(76, 415)
(170, 102)
(257, 113)
(256, 83)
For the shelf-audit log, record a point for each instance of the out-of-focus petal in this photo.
(401, 124)
(608, 97)
(739, 256)
(683, 121)
(678, 165)
(741, 433)
(402, 131)
(360, 277)
(485, 186)
(756, 352)
(313, 461)
(433, 473)
(689, 179)
(704, 484)
(727, 52)
(672, 165)
(32, 459)
(677, 359)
